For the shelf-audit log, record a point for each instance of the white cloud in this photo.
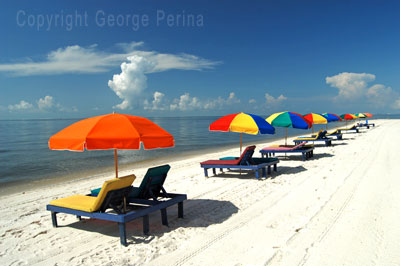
(220, 102)
(186, 103)
(22, 105)
(77, 59)
(355, 86)
(132, 80)
(45, 103)
(158, 102)
(396, 104)
(271, 100)
(350, 85)
(252, 101)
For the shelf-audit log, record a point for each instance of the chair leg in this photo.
(54, 219)
(122, 233)
(214, 172)
(180, 209)
(205, 172)
(264, 172)
(164, 218)
(257, 174)
(146, 224)
(269, 169)
(79, 217)
(275, 168)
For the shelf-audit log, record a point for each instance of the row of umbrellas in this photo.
(119, 131)
(253, 124)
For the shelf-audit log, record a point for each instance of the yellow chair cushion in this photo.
(92, 204)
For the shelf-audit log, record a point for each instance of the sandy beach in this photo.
(341, 207)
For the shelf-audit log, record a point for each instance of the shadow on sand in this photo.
(197, 213)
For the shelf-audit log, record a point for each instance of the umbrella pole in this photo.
(241, 141)
(116, 163)
(285, 136)
(312, 128)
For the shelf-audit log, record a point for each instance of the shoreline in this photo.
(8, 188)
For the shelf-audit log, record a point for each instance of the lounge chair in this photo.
(116, 194)
(321, 136)
(306, 151)
(367, 125)
(245, 161)
(353, 128)
(336, 133)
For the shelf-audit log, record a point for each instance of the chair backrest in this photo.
(322, 134)
(110, 185)
(247, 154)
(299, 145)
(153, 181)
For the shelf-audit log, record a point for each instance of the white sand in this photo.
(340, 208)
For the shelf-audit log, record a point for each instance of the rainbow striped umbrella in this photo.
(316, 119)
(368, 114)
(242, 123)
(288, 119)
(360, 115)
(348, 116)
(332, 117)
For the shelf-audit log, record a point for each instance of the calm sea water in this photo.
(24, 152)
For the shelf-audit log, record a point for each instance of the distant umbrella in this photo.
(331, 118)
(316, 119)
(288, 119)
(242, 123)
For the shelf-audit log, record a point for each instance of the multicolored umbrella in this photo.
(242, 123)
(368, 114)
(348, 117)
(112, 131)
(332, 117)
(288, 119)
(316, 119)
(360, 115)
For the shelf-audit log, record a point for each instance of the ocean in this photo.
(25, 156)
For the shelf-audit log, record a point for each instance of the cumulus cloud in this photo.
(132, 80)
(396, 104)
(186, 103)
(271, 100)
(252, 101)
(22, 105)
(350, 85)
(158, 102)
(78, 59)
(45, 103)
(356, 86)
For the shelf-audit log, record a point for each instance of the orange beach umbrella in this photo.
(111, 131)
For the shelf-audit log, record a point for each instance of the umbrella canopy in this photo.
(360, 115)
(242, 123)
(112, 131)
(316, 119)
(368, 114)
(288, 119)
(332, 117)
(348, 116)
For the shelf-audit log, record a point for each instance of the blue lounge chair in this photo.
(245, 161)
(306, 151)
(321, 136)
(352, 129)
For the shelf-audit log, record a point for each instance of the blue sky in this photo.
(176, 58)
